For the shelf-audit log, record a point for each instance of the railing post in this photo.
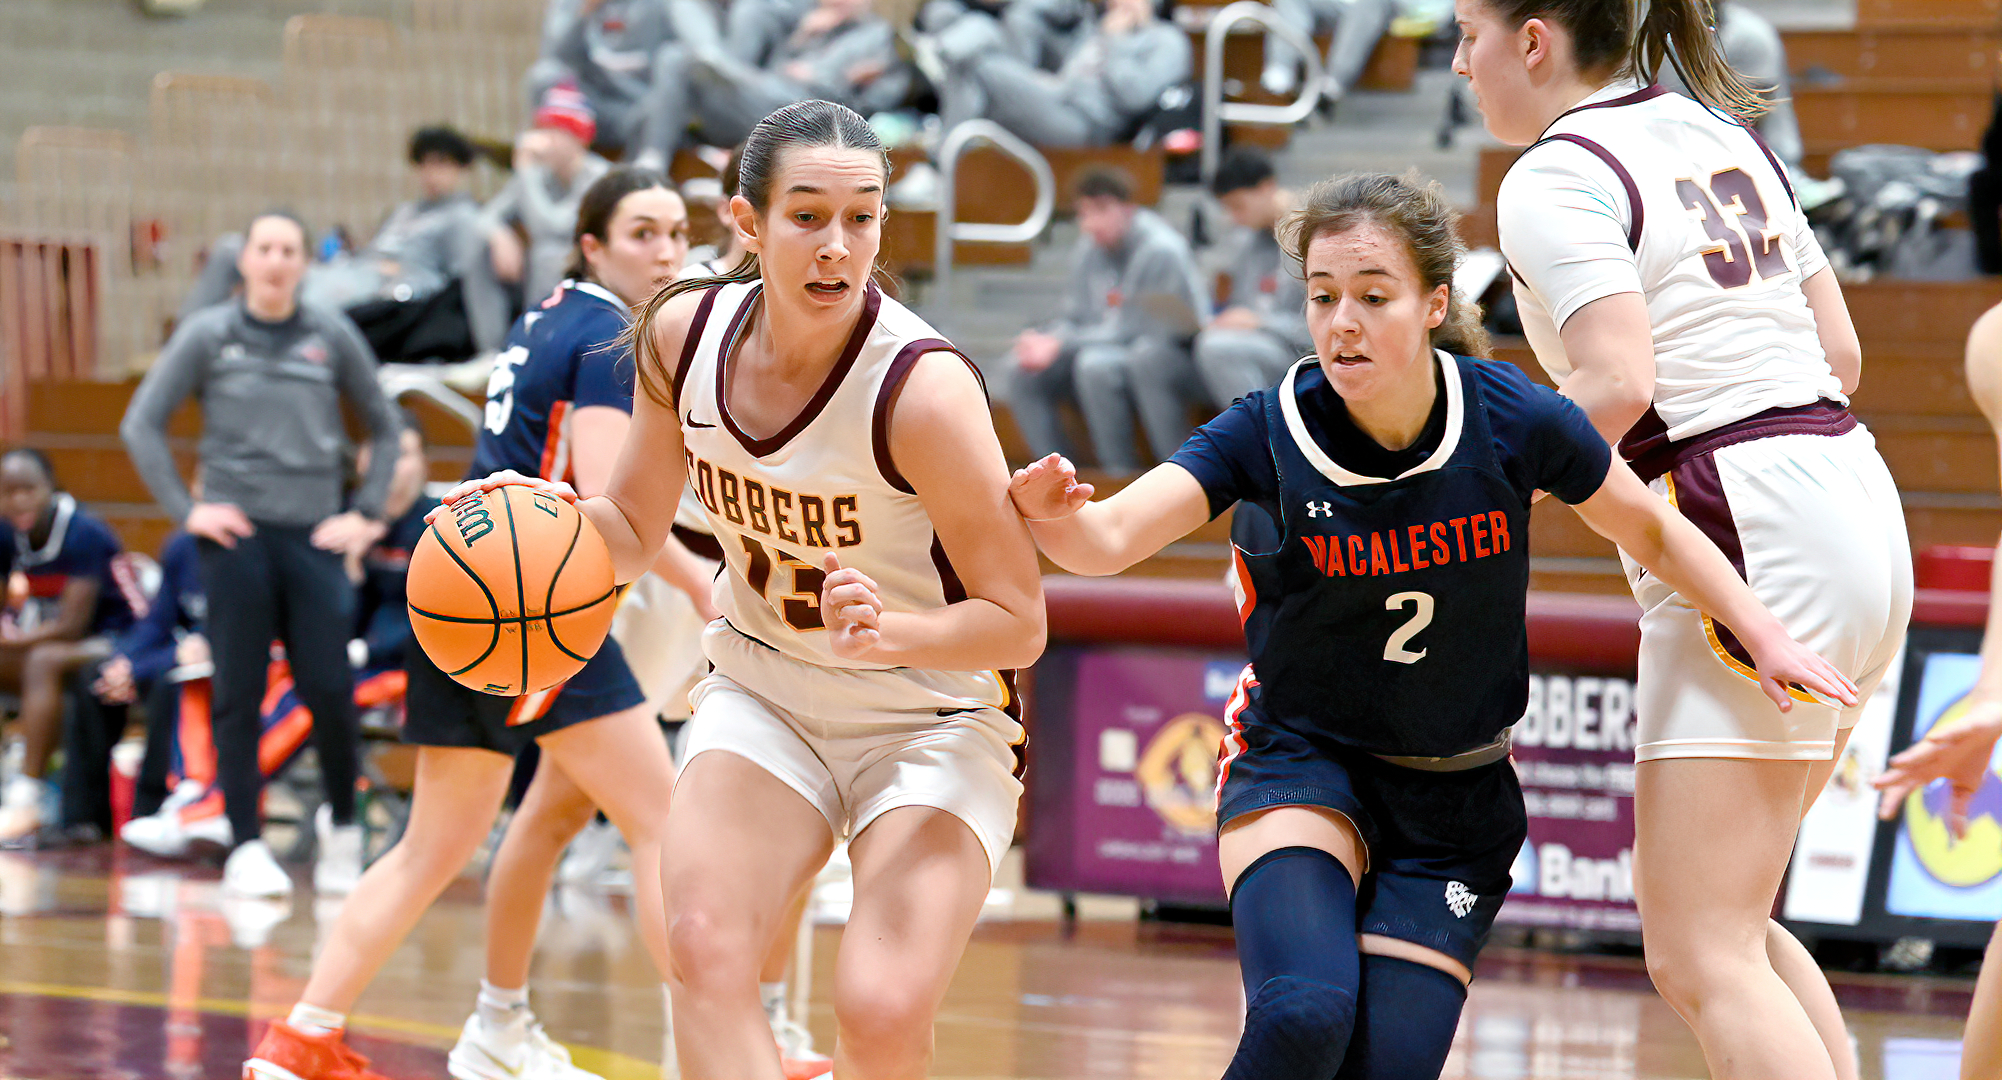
(1216, 110)
(955, 144)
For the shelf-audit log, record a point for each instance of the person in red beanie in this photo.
(553, 167)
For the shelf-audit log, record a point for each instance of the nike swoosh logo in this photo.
(694, 423)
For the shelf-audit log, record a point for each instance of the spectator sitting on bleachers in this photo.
(841, 51)
(1108, 84)
(1043, 32)
(137, 672)
(1262, 329)
(1357, 24)
(1752, 44)
(395, 289)
(553, 166)
(75, 600)
(753, 29)
(610, 49)
(1123, 341)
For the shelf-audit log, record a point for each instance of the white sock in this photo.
(667, 1010)
(501, 1009)
(773, 996)
(313, 1020)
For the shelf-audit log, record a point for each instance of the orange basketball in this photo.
(511, 591)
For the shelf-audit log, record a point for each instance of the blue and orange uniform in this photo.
(78, 546)
(1383, 599)
(563, 356)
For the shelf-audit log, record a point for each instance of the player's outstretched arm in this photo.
(1624, 511)
(942, 441)
(1105, 537)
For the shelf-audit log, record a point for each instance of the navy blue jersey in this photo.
(560, 357)
(78, 545)
(177, 608)
(1388, 613)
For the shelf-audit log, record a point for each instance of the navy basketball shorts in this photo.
(440, 712)
(1440, 844)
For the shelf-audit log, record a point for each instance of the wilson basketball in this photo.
(511, 591)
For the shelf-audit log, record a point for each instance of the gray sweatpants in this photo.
(755, 27)
(989, 78)
(1358, 25)
(722, 96)
(1109, 382)
(1233, 363)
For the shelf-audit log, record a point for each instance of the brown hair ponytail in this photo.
(801, 124)
(1605, 41)
(1416, 211)
(1683, 33)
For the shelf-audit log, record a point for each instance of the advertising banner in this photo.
(1574, 755)
(1138, 813)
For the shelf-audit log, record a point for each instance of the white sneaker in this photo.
(251, 870)
(532, 1055)
(21, 806)
(593, 854)
(164, 834)
(339, 864)
(1280, 80)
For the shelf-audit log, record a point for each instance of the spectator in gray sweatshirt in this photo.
(611, 49)
(1108, 83)
(1260, 329)
(553, 167)
(423, 246)
(271, 373)
(840, 51)
(1752, 44)
(1134, 305)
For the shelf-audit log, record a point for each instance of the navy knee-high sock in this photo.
(1404, 1022)
(1295, 914)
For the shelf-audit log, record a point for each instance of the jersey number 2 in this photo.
(1421, 617)
(1734, 217)
(800, 608)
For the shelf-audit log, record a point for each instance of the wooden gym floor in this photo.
(113, 965)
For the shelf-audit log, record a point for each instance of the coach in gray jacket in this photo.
(1123, 343)
(1261, 328)
(271, 374)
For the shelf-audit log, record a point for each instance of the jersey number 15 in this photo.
(1734, 217)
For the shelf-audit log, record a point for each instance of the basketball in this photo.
(511, 591)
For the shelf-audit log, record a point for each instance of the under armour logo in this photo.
(1459, 899)
(1320, 509)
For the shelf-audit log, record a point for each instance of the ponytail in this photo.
(1605, 41)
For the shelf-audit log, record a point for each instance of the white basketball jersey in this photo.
(1644, 190)
(823, 483)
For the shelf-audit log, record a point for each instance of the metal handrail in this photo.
(1216, 110)
(950, 230)
(397, 384)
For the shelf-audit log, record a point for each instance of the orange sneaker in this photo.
(807, 1066)
(286, 1053)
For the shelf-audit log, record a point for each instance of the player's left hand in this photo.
(851, 609)
(1784, 662)
(501, 479)
(1960, 752)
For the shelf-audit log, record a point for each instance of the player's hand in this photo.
(1048, 489)
(501, 479)
(114, 684)
(223, 523)
(1784, 662)
(1960, 752)
(349, 533)
(851, 609)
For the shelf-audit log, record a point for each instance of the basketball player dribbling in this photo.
(879, 586)
(557, 403)
(1669, 281)
(1368, 813)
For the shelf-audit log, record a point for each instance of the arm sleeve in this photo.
(1228, 456)
(1170, 275)
(604, 376)
(504, 207)
(359, 386)
(173, 377)
(1569, 457)
(1151, 61)
(1807, 246)
(149, 644)
(1563, 218)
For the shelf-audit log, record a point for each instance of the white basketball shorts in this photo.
(857, 743)
(1814, 524)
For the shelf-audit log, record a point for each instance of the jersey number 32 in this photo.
(1734, 217)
